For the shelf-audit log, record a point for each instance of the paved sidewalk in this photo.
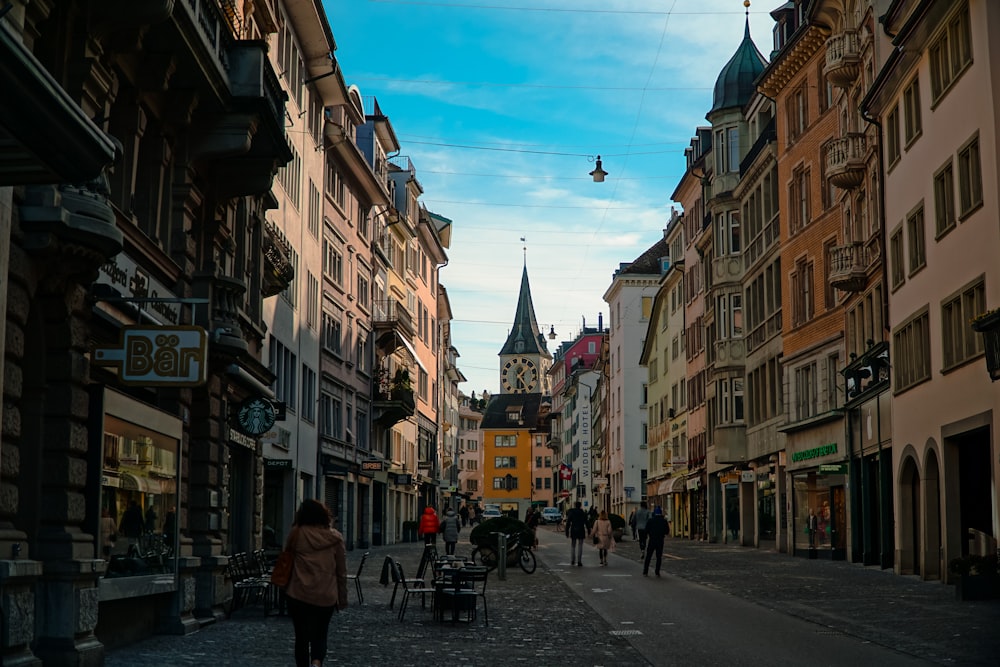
(533, 619)
(537, 619)
(922, 618)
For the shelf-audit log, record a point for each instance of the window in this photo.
(915, 237)
(729, 316)
(308, 394)
(333, 334)
(727, 150)
(960, 343)
(944, 200)
(950, 53)
(315, 209)
(364, 292)
(832, 391)
(798, 200)
(326, 415)
(361, 432)
(805, 391)
(361, 356)
(291, 292)
(647, 307)
(312, 300)
(912, 352)
(970, 181)
(802, 292)
(282, 363)
(505, 441)
(505, 462)
(896, 257)
(798, 112)
(501, 483)
(892, 136)
(829, 294)
(333, 262)
(911, 112)
(728, 234)
(422, 384)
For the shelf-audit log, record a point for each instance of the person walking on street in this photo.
(631, 524)
(318, 583)
(473, 520)
(429, 526)
(463, 513)
(641, 517)
(656, 529)
(450, 528)
(532, 520)
(603, 536)
(576, 530)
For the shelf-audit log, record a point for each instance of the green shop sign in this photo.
(815, 452)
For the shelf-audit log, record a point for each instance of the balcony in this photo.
(278, 270)
(845, 160)
(390, 315)
(729, 353)
(225, 296)
(730, 443)
(849, 267)
(843, 58)
(393, 407)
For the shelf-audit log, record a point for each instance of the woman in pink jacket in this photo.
(318, 584)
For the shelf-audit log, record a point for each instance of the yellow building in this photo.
(518, 413)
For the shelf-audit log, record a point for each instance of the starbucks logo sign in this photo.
(255, 416)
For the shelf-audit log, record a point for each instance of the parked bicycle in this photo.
(487, 554)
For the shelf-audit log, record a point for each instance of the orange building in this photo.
(811, 223)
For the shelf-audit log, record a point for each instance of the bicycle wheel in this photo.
(485, 555)
(527, 560)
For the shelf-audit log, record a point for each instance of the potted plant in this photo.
(976, 577)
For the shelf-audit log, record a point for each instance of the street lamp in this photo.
(598, 172)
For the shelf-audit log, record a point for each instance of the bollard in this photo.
(501, 556)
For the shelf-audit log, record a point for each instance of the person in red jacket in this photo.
(429, 525)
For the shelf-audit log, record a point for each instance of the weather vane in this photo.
(525, 250)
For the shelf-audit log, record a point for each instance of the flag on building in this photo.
(565, 471)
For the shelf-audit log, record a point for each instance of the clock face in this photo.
(519, 376)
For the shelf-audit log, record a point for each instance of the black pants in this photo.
(312, 624)
(449, 548)
(650, 548)
(642, 539)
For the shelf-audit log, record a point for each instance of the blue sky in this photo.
(502, 105)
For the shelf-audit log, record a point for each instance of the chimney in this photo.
(600, 322)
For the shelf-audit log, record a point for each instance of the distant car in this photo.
(491, 513)
(551, 515)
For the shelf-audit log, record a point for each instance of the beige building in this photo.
(935, 101)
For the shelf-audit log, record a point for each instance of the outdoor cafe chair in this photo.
(408, 590)
(356, 577)
(463, 594)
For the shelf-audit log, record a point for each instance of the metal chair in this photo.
(357, 578)
(469, 586)
(408, 590)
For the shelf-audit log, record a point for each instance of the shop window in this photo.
(138, 528)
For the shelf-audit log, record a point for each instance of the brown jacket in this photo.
(319, 575)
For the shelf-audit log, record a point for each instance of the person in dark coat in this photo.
(656, 529)
(576, 529)
(429, 525)
(450, 527)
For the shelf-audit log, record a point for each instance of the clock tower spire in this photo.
(524, 357)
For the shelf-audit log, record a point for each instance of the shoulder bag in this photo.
(281, 573)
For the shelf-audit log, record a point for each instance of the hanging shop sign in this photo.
(255, 416)
(150, 356)
(373, 465)
(277, 464)
(748, 476)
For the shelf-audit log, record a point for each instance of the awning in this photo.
(663, 488)
(44, 137)
(409, 348)
(678, 485)
(131, 482)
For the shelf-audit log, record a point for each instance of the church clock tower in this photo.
(524, 358)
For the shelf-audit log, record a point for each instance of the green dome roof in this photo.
(735, 84)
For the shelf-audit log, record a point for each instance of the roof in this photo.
(527, 405)
(648, 263)
(735, 85)
(524, 337)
